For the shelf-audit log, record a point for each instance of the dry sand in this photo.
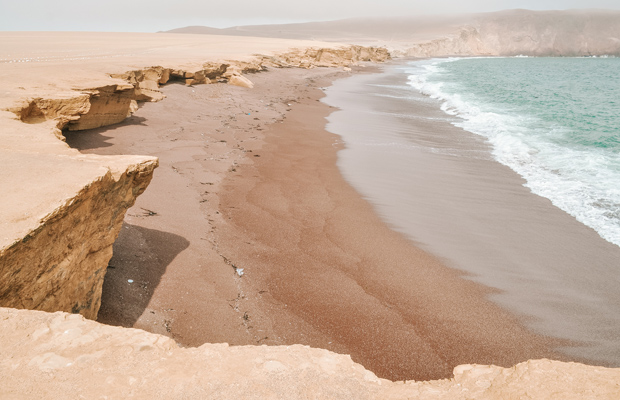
(248, 183)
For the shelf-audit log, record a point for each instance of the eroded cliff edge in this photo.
(66, 209)
(66, 356)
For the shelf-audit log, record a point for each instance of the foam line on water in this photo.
(584, 182)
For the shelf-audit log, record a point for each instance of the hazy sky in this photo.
(155, 15)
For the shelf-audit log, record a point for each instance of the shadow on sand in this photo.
(94, 138)
(141, 257)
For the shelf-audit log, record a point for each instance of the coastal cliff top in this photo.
(59, 63)
(48, 80)
(49, 354)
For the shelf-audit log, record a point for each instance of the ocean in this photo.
(554, 121)
(507, 169)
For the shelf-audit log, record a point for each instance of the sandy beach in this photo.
(441, 187)
(249, 234)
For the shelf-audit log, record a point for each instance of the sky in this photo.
(158, 15)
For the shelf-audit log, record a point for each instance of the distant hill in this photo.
(361, 29)
(510, 32)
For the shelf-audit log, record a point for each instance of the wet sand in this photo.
(249, 234)
(440, 186)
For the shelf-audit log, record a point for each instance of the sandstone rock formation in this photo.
(48, 356)
(60, 263)
(146, 82)
(56, 248)
(242, 81)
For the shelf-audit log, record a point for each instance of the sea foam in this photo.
(581, 179)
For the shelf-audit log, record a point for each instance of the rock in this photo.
(133, 107)
(59, 355)
(242, 81)
(146, 82)
(165, 77)
(91, 109)
(148, 90)
(327, 57)
(64, 209)
(61, 109)
(232, 70)
(60, 263)
(108, 105)
(214, 70)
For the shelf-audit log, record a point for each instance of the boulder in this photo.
(239, 80)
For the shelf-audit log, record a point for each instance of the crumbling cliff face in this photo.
(57, 259)
(146, 82)
(66, 356)
(61, 263)
(62, 211)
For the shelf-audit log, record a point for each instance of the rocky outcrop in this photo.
(327, 57)
(60, 263)
(64, 210)
(48, 356)
(87, 109)
(146, 82)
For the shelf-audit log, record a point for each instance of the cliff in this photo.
(66, 356)
(65, 209)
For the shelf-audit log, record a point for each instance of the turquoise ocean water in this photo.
(555, 121)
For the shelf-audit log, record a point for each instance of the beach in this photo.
(249, 234)
(441, 186)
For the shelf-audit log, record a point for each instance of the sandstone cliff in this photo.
(64, 210)
(48, 356)
(59, 262)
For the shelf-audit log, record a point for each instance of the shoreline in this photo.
(440, 186)
(331, 274)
